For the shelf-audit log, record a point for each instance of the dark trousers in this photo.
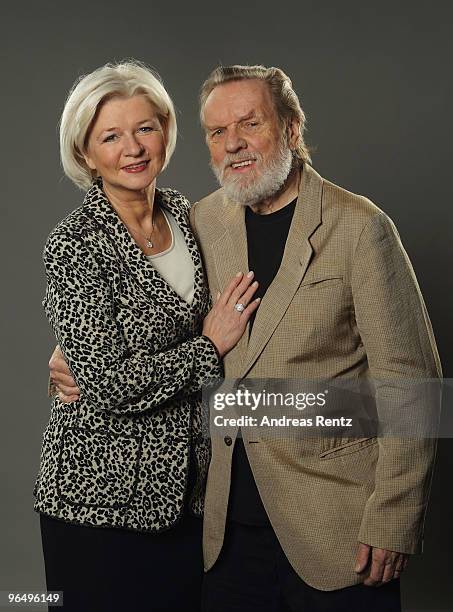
(253, 574)
(115, 570)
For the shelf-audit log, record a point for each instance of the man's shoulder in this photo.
(209, 203)
(347, 201)
(348, 210)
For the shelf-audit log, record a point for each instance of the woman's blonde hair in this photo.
(89, 92)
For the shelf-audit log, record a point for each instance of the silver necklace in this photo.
(149, 244)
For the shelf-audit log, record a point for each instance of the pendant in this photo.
(149, 244)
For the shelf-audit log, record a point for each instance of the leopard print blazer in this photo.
(119, 455)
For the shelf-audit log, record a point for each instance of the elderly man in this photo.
(306, 524)
(309, 524)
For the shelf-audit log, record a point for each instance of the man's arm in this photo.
(397, 335)
(61, 381)
(379, 565)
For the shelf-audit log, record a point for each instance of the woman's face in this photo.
(126, 145)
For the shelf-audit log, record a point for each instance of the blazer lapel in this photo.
(296, 257)
(230, 256)
(201, 297)
(131, 258)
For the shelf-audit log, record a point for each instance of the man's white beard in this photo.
(248, 191)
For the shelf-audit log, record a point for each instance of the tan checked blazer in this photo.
(345, 303)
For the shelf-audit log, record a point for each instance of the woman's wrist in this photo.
(214, 345)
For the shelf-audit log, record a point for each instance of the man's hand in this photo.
(380, 565)
(61, 377)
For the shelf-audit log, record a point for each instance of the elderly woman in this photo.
(122, 466)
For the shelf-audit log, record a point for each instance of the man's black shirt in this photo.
(266, 240)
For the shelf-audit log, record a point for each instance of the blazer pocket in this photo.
(98, 469)
(347, 448)
(321, 283)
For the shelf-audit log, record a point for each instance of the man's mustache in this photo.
(235, 159)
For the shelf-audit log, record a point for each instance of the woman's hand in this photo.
(224, 324)
(61, 377)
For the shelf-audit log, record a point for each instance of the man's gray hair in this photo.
(285, 98)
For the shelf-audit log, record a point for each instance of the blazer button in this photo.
(228, 441)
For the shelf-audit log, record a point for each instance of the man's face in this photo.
(250, 150)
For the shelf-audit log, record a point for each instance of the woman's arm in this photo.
(80, 308)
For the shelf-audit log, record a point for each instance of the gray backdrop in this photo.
(374, 79)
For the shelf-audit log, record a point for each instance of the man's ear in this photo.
(293, 131)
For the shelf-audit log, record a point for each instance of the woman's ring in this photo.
(239, 307)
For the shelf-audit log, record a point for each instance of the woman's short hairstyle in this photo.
(89, 92)
(285, 98)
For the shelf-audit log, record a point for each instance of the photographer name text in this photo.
(284, 421)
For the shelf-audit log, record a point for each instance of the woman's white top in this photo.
(175, 264)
